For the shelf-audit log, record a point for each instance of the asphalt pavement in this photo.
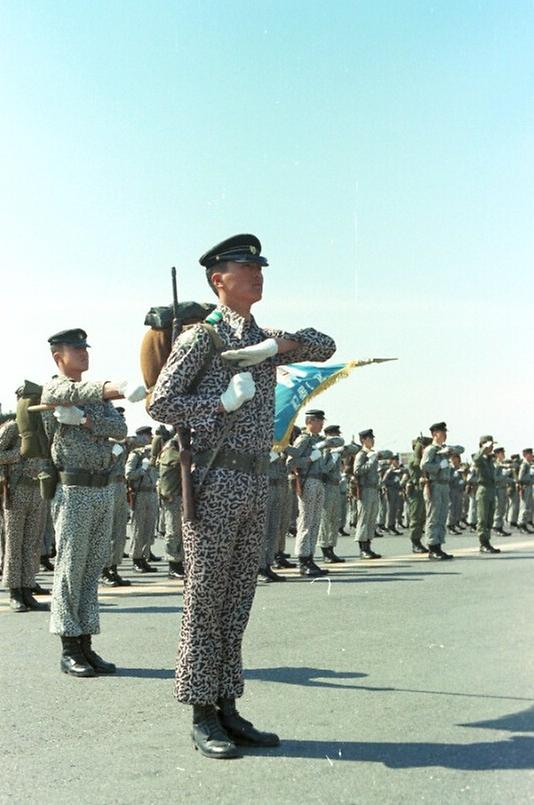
(391, 681)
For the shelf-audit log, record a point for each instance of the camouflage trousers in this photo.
(120, 521)
(288, 514)
(525, 506)
(24, 526)
(331, 517)
(485, 512)
(513, 507)
(416, 515)
(144, 517)
(501, 502)
(455, 506)
(222, 552)
(171, 511)
(276, 503)
(368, 505)
(309, 519)
(437, 507)
(83, 518)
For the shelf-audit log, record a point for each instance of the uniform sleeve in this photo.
(108, 423)
(298, 457)
(133, 470)
(171, 402)
(313, 346)
(478, 458)
(63, 390)
(429, 462)
(9, 444)
(363, 463)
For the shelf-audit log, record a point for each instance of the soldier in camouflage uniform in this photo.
(110, 574)
(231, 414)
(525, 479)
(311, 464)
(276, 501)
(24, 520)
(503, 481)
(391, 486)
(513, 491)
(331, 515)
(471, 492)
(79, 429)
(485, 469)
(436, 473)
(456, 492)
(414, 497)
(142, 477)
(366, 478)
(170, 495)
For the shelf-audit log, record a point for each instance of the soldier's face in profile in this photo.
(72, 360)
(369, 442)
(240, 283)
(440, 436)
(314, 425)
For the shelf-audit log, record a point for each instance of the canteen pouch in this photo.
(48, 482)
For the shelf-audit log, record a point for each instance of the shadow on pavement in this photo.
(146, 673)
(515, 722)
(114, 609)
(514, 753)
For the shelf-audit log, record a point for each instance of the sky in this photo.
(381, 151)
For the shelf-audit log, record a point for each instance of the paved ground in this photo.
(398, 681)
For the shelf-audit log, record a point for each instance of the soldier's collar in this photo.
(235, 320)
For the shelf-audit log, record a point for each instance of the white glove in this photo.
(443, 463)
(335, 457)
(145, 463)
(117, 449)
(69, 415)
(444, 451)
(132, 392)
(241, 388)
(273, 455)
(250, 356)
(315, 454)
(319, 445)
(486, 445)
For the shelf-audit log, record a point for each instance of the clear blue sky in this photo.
(383, 153)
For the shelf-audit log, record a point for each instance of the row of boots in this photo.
(21, 600)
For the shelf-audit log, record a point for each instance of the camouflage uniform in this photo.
(366, 472)
(525, 480)
(169, 487)
(331, 516)
(276, 503)
(25, 516)
(222, 546)
(120, 509)
(142, 482)
(82, 514)
(436, 493)
(311, 503)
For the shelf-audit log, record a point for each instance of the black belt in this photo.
(84, 478)
(232, 460)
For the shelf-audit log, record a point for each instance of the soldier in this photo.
(513, 491)
(524, 483)
(24, 515)
(310, 465)
(456, 491)
(366, 477)
(79, 430)
(502, 483)
(331, 515)
(142, 478)
(278, 489)
(110, 574)
(231, 414)
(170, 495)
(289, 506)
(391, 485)
(414, 496)
(471, 492)
(485, 468)
(436, 473)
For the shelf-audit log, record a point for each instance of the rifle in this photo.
(183, 434)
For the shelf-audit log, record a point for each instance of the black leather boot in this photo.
(281, 562)
(100, 666)
(46, 564)
(418, 547)
(73, 660)
(436, 553)
(16, 600)
(120, 581)
(321, 570)
(366, 551)
(31, 602)
(38, 590)
(307, 568)
(176, 570)
(486, 547)
(108, 578)
(267, 574)
(330, 557)
(241, 731)
(209, 737)
(153, 558)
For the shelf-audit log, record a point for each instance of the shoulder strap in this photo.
(217, 346)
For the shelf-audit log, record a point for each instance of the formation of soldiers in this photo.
(72, 477)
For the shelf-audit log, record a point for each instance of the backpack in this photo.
(34, 441)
